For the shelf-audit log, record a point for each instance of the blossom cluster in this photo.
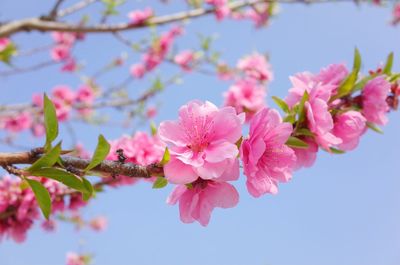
(65, 100)
(248, 93)
(156, 53)
(62, 49)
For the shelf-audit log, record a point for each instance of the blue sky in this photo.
(345, 210)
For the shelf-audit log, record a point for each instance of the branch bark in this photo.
(38, 24)
(106, 167)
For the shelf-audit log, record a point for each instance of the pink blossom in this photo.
(76, 202)
(197, 203)
(222, 9)
(18, 122)
(319, 119)
(38, 129)
(85, 95)
(63, 94)
(75, 259)
(16, 225)
(49, 225)
(139, 17)
(160, 48)
(64, 38)
(266, 158)
(99, 223)
(4, 42)
(396, 14)
(247, 96)
(202, 142)
(374, 103)
(151, 112)
(138, 70)
(333, 74)
(140, 149)
(259, 14)
(256, 66)
(69, 66)
(185, 60)
(349, 127)
(60, 52)
(305, 157)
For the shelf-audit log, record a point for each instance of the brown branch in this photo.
(106, 167)
(38, 24)
(72, 9)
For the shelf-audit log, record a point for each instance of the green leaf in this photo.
(389, 64)
(101, 152)
(6, 54)
(296, 142)
(62, 176)
(42, 196)
(88, 186)
(374, 127)
(239, 142)
(153, 128)
(50, 121)
(160, 182)
(166, 157)
(48, 159)
(336, 151)
(282, 104)
(290, 118)
(301, 109)
(348, 84)
(305, 132)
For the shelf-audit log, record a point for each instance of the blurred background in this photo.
(344, 210)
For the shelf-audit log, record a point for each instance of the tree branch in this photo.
(106, 167)
(38, 24)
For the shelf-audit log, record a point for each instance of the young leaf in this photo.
(166, 157)
(305, 132)
(153, 128)
(50, 121)
(374, 127)
(296, 142)
(348, 84)
(48, 159)
(301, 109)
(389, 63)
(336, 151)
(62, 176)
(102, 149)
(282, 104)
(160, 182)
(42, 196)
(88, 186)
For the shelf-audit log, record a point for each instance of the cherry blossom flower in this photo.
(99, 223)
(18, 122)
(197, 203)
(247, 96)
(139, 17)
(185, 60)
(138, 70)
(4, 42)
(349, 127)
(305, 157)
(201, 142)
(75, 259)
(374, 105)
(266, 159)
(256, 66)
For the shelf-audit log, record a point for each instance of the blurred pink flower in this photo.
(256, 66)
(247, 96)
(185, 60)
(139, 17)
